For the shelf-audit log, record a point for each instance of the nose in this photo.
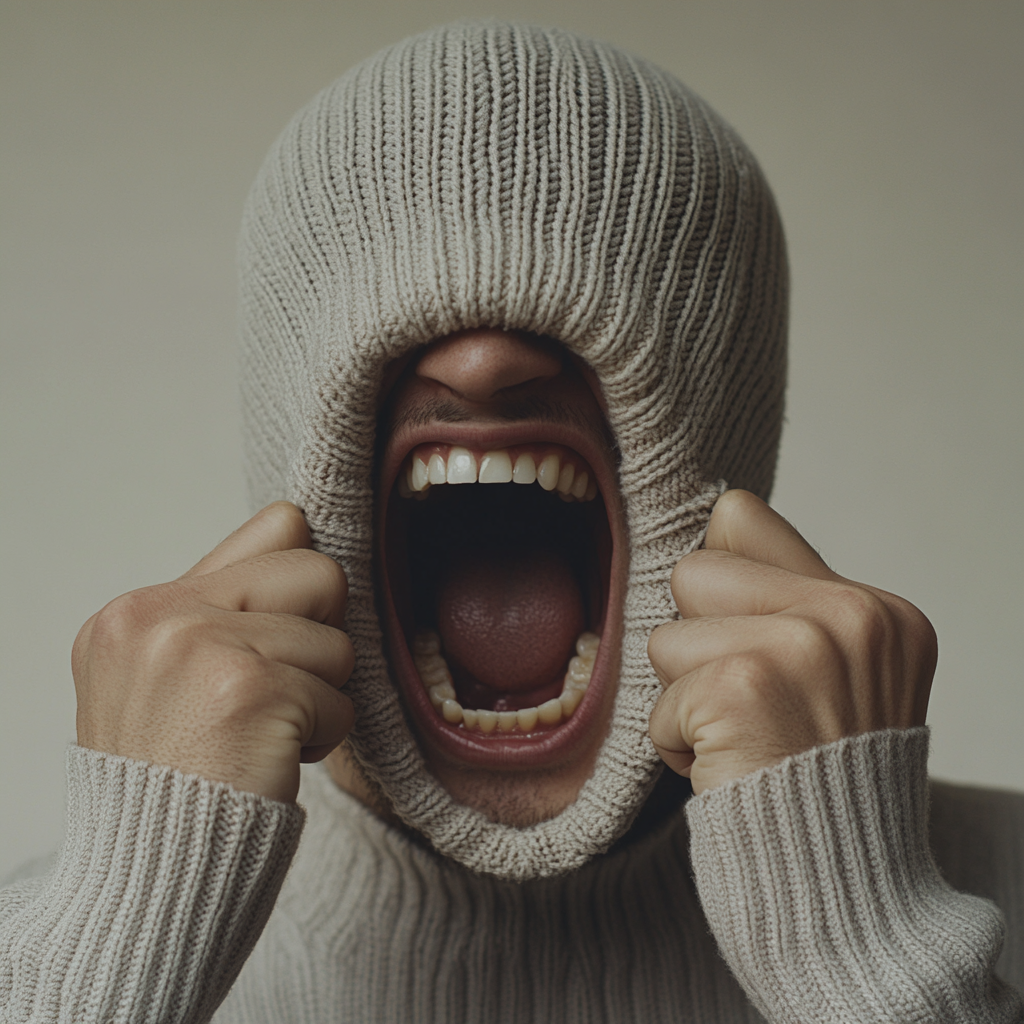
(475, 365)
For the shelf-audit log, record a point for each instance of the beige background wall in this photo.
(891, 132)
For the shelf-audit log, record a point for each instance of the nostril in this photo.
(477, 364)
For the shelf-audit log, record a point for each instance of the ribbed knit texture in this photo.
(160, 891)
(514, 177)
(815, 876)
(859, 925)
(372, 927)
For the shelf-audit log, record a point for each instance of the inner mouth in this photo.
(501, 588)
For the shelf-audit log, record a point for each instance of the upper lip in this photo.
(496, 752)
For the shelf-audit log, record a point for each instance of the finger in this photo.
(332, 720)
(278, 527)
(735, 715)
(322, 651)
(678, 648)
(296, 582)
(721, 584)
(701, 718)
(743, 524)
(321, 715)
(680, 761)
(667, 731)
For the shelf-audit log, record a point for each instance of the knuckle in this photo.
(235, 690)
(233, 684)
(311, 561)
(660, 647)
(324, 571)
(335, 578)
(124, 619)
(174, 636)
(807, 635)
(692, 568)
(917, 631)
(678, 579)
(704, 557)
(80, 648)
(660, 637)
(748, 674)
(860, 614)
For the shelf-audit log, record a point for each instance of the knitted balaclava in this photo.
(527, 179)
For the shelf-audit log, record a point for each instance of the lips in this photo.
(500, 565)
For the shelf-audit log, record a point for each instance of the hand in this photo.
(775, 653)
(230, 672)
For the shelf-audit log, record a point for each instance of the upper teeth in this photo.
(436, 677)
(553, 471)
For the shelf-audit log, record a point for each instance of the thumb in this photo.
(280, 526)
(744, 525)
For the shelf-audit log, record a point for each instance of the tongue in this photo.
(510, 619)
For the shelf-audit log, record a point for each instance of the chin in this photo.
(501, 565)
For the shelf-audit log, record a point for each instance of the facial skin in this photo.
(234, 671)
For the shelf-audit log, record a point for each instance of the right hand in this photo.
(231, 672)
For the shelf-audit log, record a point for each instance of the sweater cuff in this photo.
(160, 891)
(818, 883)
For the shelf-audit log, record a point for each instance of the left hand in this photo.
(775, 653)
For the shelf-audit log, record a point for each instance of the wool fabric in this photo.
(800, 894)
(527, 179)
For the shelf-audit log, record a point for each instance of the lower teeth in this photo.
(436, 677)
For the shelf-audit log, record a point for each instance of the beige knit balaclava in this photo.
(527, 179)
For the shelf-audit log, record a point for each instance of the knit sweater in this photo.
(813, 878)
(509, 176)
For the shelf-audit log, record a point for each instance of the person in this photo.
(514, 309)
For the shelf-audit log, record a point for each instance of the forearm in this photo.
(162, 887)
(819, 885)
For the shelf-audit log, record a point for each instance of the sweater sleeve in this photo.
(157, 897)
(819, 885)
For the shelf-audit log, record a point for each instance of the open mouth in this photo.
(500, 588)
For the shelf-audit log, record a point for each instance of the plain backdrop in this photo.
(891, 132)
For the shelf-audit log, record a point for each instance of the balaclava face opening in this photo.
(494, 175)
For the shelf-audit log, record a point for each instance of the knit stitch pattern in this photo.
(156, 898)
(527, 179)
(858, 902)
(165, 881)
(370, 926)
